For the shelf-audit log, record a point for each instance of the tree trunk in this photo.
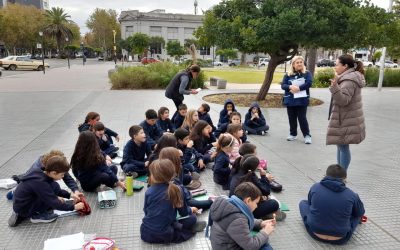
(272, 64)
(243, 59)
(312, 57)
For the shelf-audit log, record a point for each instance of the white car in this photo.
(21, 62)
(367, 63)
(218, 63)
(388, 64)
(263, 61)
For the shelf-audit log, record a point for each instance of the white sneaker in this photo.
(291, 138)
(307, 139)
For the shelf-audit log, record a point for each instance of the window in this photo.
(205, 51)
(155, 29)
(172, 30)
(129, 29)
(189, 31)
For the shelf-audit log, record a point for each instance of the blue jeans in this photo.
(343, 156)
(266, 247)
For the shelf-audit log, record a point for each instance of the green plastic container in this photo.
(129, 185)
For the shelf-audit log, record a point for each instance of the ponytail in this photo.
(351, 63)
(236, 165)
(248, 164)
(359, 67)
(175, 195)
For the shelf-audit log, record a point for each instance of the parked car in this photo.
(147, 60)
(263, 61)
(325, 63)
(100, 58)
(388, 64)
(234, 62)
(367, 63)
(21, 62)
(218, 63)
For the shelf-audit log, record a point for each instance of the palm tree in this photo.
(57, 25)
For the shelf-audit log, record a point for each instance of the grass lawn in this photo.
(239, 75)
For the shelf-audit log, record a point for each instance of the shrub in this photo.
(152, 76)
(391, 77)
(321, 78)
(200, 62)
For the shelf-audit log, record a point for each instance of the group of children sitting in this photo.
(171, 154)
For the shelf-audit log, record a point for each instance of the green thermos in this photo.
(129, 184)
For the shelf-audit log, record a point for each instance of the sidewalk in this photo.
(41, 112)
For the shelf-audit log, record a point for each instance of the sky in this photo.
(81, 10)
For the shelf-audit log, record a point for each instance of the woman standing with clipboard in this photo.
(297, 83)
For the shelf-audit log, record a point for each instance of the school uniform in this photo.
(257, 125)
(203, 145)
(190, 158)
(110, 133)
(105, 145)
(38, 193)
(159, 224)
(166, 125)
(178, 120)
(191, 202)
(206, 117)
(183, 177)
(222, 170)
(223, 128)
(224, 115)
(153, 133)
(135, 156)
(91, 178)
(264, 208)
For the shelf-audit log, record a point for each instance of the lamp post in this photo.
(42, 37)
(69, 66)
(115, 48)
(83, 54)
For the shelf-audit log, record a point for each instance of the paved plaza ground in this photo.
(42, 112)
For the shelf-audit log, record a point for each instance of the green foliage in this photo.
(321, 78)
(227, 53)
(377, 55)
(189, 42)
(152, 76)
(101, 23)
(139, 42)
(72, 48)
(175, 49)
(200, 62)
(391, 77)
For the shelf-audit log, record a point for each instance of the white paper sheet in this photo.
(67, 242)
(298, 82)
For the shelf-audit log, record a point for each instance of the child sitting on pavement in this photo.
(204, 115)
(192, 160)
(163, 120)
(254, 122)
(180, 116)
(225, 113)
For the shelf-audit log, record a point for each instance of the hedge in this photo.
(151, 76)
(391, 77)
(321, 78)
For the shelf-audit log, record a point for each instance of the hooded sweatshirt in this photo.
(224, 115)
(37, 192)
(229, 230)
(332, 205)
(256, 122)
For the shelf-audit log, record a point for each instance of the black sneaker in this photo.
(199, 227)
(44, 218)
(14, 219)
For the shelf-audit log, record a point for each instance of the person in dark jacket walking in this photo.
(254, 121)
(332, 212)
(297, 83)
(38, 194)
(180, 85)
(225, 113)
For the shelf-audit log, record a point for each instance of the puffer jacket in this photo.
(230, 228)
(346, 124)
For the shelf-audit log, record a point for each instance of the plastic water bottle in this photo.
(129, 184)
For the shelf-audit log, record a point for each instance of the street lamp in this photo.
(41, 35)
(69, 66)
(83, 54)
(115, 48)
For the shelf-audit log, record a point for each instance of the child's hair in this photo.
(151, 114)
(91, 116)
(87, 153)
(98, 126)
(248, 164)
(167, 140)
(181, 133)
(225, 140)
(234, 113)
(134, 130)
(206, 107)
(173, 155)
(50, 154)
(56, 163)
(336, 171)
(247, 189)
(161, 111)
(182, 106)
(233, 129)
(247, 148)
(163, 172)
(197, 131)
(189, 122)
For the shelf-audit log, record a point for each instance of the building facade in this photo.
(172, 27)
(40, 4)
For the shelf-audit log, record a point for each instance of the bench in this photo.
(219, 82)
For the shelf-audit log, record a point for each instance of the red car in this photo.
(147, 60)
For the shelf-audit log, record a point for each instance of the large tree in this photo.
(101, 24)
(175, 49)
(58, 25)
(139, 42)
(280, 27)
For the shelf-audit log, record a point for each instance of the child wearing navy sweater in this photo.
(136, 152)
(204, 115)
(192, 160)
(191, 118)
(104, 141)
(38, 194)
(333, 211)
(180, 116)
(90, 166)
(90, 120)
(150, 128)
(222, 169)
(254, 122)
(225, 113)
(162, 202)
(203, 140)
(234, 118)
(163, 121)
